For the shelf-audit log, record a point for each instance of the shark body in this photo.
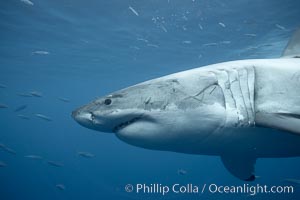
(238, 110)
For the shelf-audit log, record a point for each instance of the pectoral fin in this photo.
(282, 121)
(240, 166)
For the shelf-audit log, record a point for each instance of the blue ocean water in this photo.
(58, 55)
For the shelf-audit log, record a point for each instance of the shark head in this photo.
(159, 114)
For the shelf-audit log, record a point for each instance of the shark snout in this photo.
(78, 114)
(75, 113)
(84, 118)
(91, 119)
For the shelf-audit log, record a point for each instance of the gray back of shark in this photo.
(239, 110)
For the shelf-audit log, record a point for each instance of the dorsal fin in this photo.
(292, 49)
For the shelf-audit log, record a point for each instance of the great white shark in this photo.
(239, 110)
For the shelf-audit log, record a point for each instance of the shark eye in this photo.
(107, 101)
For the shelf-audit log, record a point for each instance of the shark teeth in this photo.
(127, 123)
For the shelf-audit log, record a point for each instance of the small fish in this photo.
(200, 26)
(2, 164)
(64, 99)
(44, 117)
(22, 107)
(3, 106)
(135, 47)
(9, 150)
(86, 154)
(55, 164)
(181, 172)
(23, 117)
(24, 95)
(61, 186)
(265, 45)
(225, 42)
(280, 27)
(133, 10)
(252, 48)
(250, 34)
(186, 42)
(152, 45)
(222, 24)
(28, 2)
(164, 28)
(34, 157)
(292, 181)
(210, 44)
(185, 18)
(3, 86)
(142, 39)
(41, 52)
(35, 94)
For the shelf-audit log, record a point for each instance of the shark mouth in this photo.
(125, 124)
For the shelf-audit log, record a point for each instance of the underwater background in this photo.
(56, 55)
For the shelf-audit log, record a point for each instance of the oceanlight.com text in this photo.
(176, 188)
